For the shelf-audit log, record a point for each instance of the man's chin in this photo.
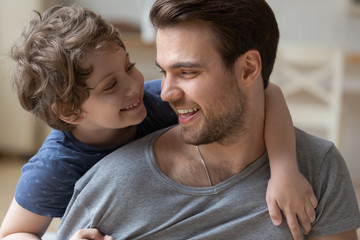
(189, 136)
(193, 137)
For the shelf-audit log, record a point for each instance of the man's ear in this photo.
(248, 67)
(71, 118)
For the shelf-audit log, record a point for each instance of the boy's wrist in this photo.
(284, 167)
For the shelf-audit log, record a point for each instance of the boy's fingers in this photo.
(275, 213)
(313, 200)
(304, 222)
(293, 224)
(310, 212)
(89, 233)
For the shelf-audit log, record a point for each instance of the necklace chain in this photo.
(205, 167)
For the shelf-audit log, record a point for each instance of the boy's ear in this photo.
(71, 118)
(248, 67)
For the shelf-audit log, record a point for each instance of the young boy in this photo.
(74, 73)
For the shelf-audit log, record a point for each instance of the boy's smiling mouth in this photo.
(132, 106)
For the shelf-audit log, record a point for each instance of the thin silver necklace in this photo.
(205, 167)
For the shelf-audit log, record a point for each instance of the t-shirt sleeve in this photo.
(44, 189)
(337, 209)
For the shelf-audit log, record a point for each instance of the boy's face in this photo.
(116, 92)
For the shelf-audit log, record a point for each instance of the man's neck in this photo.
(224, 161)
(182, 163)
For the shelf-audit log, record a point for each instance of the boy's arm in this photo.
(20, 223)
(288, 190)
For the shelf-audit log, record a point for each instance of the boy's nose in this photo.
(134, 84)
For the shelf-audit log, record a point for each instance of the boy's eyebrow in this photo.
(107, 75)
(98, 82)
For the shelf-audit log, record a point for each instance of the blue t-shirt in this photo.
(47, 180)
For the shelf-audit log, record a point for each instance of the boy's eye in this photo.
(128, 69)
(111, 86)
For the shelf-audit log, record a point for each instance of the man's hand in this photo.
(90, 234)
(291, 193)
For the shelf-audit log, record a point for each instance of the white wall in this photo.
(133, 12)
(17, 128)
(124, 10)
(325, 22)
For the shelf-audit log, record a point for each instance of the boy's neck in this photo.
(110, 138)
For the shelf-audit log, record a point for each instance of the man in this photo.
(207, 177)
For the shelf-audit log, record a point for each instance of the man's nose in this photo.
(170, 89)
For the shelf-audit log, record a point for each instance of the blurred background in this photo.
(318, 68)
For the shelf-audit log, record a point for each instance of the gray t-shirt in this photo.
(128, 197)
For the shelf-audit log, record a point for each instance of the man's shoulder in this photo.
(124, 164)
(312, 145)
(130, 153)
(325, 168)
(313, 153)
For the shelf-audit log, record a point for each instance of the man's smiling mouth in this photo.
(185, 113)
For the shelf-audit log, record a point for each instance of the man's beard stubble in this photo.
(221, 127)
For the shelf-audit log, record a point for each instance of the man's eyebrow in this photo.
(181, 64)
(157, 64)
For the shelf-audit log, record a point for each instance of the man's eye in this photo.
(162, 72)
(189, 74)
(111, 86)
(132, 65)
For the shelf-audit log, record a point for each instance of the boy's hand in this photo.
(90, 233)
(291, 193)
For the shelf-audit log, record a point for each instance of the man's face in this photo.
(207, 98)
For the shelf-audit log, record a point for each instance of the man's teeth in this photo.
(184, 111)
(133, 105)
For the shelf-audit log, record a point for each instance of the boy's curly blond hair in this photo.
(48, 77)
